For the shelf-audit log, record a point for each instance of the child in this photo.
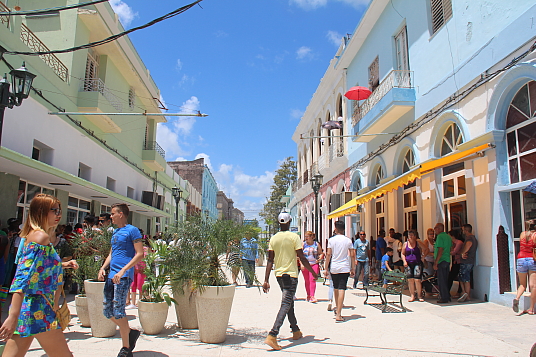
(385, 263)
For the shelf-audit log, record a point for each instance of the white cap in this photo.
(284, 218)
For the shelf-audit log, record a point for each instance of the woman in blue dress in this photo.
(39, 278)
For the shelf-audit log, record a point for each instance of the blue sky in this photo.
(252, 65)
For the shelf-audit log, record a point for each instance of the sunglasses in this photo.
(57, 211)
(362, 234)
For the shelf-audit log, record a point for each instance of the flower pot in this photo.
(185, 308)
(213, 310)
(100, 325)
(153, 316)
(82, 310)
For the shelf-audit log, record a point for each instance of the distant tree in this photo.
(284, 177)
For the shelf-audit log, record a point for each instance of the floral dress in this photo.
(39, 271)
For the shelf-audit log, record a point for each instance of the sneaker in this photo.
(125, 352)
(272, 342)
(133, 336)
(463, 297)
(515, 305)
(131, 307)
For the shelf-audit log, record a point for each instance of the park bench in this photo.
(396, 283)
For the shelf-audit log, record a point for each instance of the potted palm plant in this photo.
(198, 260)
(155, 301)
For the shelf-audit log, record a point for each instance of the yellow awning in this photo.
(347, 208)
(449, 159)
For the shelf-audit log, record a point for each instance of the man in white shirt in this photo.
(340, 263)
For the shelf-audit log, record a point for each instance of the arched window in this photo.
(521, 134)
(409, 161)
(409, 194)
(451, 139)
(379, 175)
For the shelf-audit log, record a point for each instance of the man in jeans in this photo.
(362, 258)
(250, 254)
(442, 247)
(467, 262)
(127, 250)
(283, 249)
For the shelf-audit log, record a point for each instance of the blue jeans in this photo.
(115, 298)
(249, 270)
(361, 266)
(443, 270)
(288, 287)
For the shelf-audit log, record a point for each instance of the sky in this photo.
(252, 66)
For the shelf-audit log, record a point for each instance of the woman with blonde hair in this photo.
(37, 285)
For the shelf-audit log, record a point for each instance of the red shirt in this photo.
(526, 246)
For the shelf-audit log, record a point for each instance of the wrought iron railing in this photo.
(336, 149)
(97, 85)
(153, 145)
(5, 18)
(297, 185)
(306, 177)
(395, 79)
(36, 45)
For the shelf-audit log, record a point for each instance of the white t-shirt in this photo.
(340, 255)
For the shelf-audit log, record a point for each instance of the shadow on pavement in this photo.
(302, 341)
(149, 353)
(391, 307)
(77, 335)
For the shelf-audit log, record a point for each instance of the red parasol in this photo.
(358, 93)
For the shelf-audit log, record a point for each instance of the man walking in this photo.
(283, 249)
(249, 253)
(380, 252)
(362, 258)
(442, 247)
(467, 262)
(127, 250)
(340, 263)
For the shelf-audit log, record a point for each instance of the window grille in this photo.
(131, 98)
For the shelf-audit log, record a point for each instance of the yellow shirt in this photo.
(284, 244)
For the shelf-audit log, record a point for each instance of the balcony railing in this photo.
(336, 149)
(4, 19)
(305, 177)
(153, 145)
(395, 79)
(36, 45)
(97, 85)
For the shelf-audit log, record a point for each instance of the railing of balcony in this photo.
(4, 19)
(97, 85)
(395, 79)
(336, 150)
(297, 185)
(36, 45)
(306, 177)
(153, 145)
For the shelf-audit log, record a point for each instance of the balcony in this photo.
(394, 97)
(95, 97)
(35, 44)
(154, 156)
(4, 20)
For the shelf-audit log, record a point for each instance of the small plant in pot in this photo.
(154, 304)
(198, 260)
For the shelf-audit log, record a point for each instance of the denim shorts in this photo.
(115, 298)
(465, 272)
(525, 264)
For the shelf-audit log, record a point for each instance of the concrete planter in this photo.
(100, 325)
(82, 310)
(185, 308)
(213, 310)
(153, 316)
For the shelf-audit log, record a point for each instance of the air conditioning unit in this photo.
(349, 196)
(160, 203)
(149, 198)
(335, 201)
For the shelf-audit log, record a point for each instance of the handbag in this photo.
(63, 315)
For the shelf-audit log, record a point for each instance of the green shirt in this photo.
(444, 241)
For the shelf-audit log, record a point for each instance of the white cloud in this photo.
(179, 64)
(334, 37)
(207, 161)
(125, 12)
(296, 113)
(315, 4)
(303, 52)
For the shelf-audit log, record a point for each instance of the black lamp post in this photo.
(316, 183)
(177, 193)
(22, 83)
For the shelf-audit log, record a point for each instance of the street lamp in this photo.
(22, 83)
(177, 193)
(316, 183)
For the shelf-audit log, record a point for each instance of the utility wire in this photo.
(51, 10)
(111, 38)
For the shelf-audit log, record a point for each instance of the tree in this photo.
(285, 175)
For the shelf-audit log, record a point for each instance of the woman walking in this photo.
(526, 267)
(313, 252)
(37, 285)
(413, 252)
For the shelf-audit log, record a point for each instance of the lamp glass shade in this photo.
(176, 192)
(319, 179)
(21, 82)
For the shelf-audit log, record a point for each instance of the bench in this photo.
(396, 282)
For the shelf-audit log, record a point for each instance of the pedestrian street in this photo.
(455, 329)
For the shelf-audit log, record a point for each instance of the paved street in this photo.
(469, 329)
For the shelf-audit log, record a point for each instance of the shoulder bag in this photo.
(63, 315)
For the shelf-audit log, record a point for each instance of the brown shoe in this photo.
(296, 335)
(272, 342)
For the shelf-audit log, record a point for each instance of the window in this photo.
(36, 153)
(130, 192)
(379, 175)
(401, 48)
(84, 171)
(110, 184)
(454, 193)
(92, 71)
(379, 210)
(77, 209)
(374, 74)
(409, 194)
(42, 152)
(441, 11)
(521, 134)
(451, 139)
(105, 209)
(131, 98)
(26, 193)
